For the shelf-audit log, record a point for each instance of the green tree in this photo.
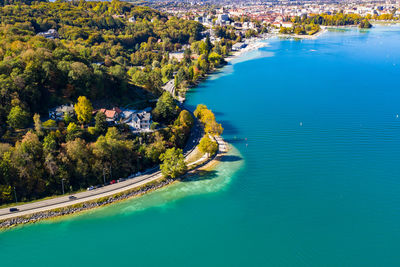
(101, 123)
(27, 159)
(67, 118)
(155, 149)
(38, 124)
(215, 58)
(49, 124)
(83, 110)
(173, 163)
(73, 131)
(18, 118)
(208, 146)
(165, 109)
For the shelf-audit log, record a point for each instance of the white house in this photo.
(287, 24)
(137, 120)
(58, 113)
(50, 34)
(238, 46)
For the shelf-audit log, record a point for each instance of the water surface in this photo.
(313, 180)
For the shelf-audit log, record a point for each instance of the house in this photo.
(238, 46)
(137, 120)
(112, 115)
(50, 34)
(276, 24)
(287, 24)
(58, 113)
(223, 17)
(132, 19)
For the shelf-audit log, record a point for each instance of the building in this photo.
(112, 115)
(238, 46)
(141, 121)
(287, 24)
(223, 17)
(137, 120)
(58, 113)
(50, 34)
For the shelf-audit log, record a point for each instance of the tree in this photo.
(365, 24)
(155, 149)
(49, 124)
(199, 109)
(185, 119)
(67, 118)
(208, 146)
(215, 58)
(27, 159)
(38, 124)
(101, 123)
(83, 110)
(173, 163)
(73, 131)
(79, 160)
(208, 119)
(165, 109)
(18, 118)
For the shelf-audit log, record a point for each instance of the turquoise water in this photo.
(313, 180)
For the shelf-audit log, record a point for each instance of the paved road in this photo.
(64, 201)
(108, 190)
(170, 87)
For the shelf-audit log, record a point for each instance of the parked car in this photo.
(72, 197)
(90, 188)
(13, 209)
(112, 182)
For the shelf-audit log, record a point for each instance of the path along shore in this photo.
(140, 185)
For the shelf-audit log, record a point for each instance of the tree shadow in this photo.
(229, 158)
(200, 175)
(229, 128)
(235, 140)
(218, 113)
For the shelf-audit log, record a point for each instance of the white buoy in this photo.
(397, 116)
(301, 123)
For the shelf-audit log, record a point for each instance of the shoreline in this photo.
(256, 43)
(137, 191)
(157, 182)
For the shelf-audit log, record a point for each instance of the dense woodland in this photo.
(106, 59)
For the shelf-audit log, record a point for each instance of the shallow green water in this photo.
(313, 180)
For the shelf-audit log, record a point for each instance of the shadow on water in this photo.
(230, 158)
(201, 175)
(229, 128)
(235, 140)
(218, 113)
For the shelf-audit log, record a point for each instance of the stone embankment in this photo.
(85, 206)
(138, 191)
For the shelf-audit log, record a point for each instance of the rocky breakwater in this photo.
(84, 206)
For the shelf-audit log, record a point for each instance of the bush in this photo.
(49, 124)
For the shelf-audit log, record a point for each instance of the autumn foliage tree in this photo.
(208, 146)
(207, 117)
(83, 110)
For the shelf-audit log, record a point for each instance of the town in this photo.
(273, 13)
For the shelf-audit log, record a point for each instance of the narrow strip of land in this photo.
(109, 190)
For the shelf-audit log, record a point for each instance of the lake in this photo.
(313, 178)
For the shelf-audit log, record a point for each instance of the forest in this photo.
(110, 53)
